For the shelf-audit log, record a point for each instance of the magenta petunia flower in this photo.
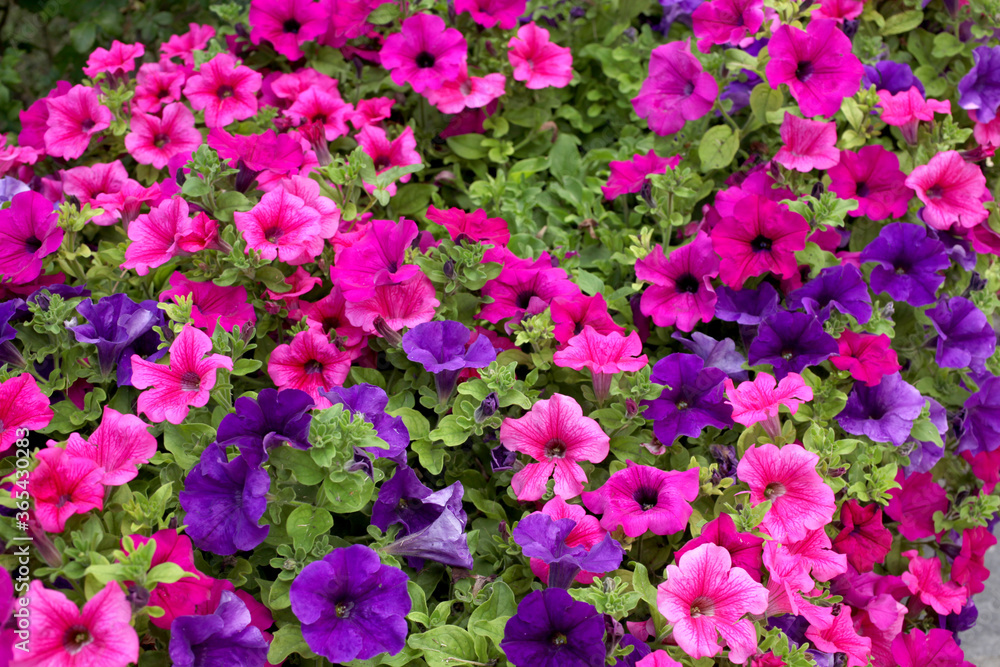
(839, 10)
(156, 85)
(400, 152)
(676, 91)
(424, 53)
(631, 175)
(604, 355)
(914, 504)
(328, 316)
(86, 183)
(905, 110)
(641, 498)
(525, 286)
(489, 13)
(924, 580)
(119, 445)
(185, 383)
(760, 236)
(185, 597)
(816, 552)
(726, 22)
(73, 119)
(63, 485)
(396, 306)
(155, 140)
(557, 435)
(473, 226)
(744, 548)
(466, 92)
(681, 292)
(120, 58)
(310, 363)
(315, 105)
(572, 314)
(156, 236)
(809, 144)
(22, 405)
(281, 227)
(371, 111)
(872, 178)
(184, 45)
(126, 204)
(705, 596)
(29, 231)
(286, 24)
(224, 90)
(800, 500)
(936, 648)
(952, 190)
(816, 63)
(377, 258)
(864, 540)
(537, 61)
(214, 305)
(760, 400)
(968, 568)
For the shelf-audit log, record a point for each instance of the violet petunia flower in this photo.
(841, 287)
(9, 354)
(980, 431)
(120, 327)
(746, 306)
(224, 500)
(885, 412)
(891, 76)
(979, 90)
(691, 400)
(908, 263)
(551, 629)
(444, 348)
(272, 419)
(719, 354)
(543, 537)
(369, 402)
(676, 10)
(226, 636)
(351, 605)
(791, 342)
(965, 337)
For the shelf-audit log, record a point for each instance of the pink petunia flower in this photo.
(126, 204)
(952, 190)
(86, 183)
(185, 383)
(184, 45)
(744, 548)
(658, 658)
(22, 406)
(63, 485)
(872, 178)
(310, 363)
(839, 10)
(937, 648)
(760, 236)
(308, 191)
(676, 91)
(788, 579)
(73, 119)
(816, 63)
(286, 24)
(525, 286)
(641, 498)
(118, 59)
(29, 231)
(281, 227)
(816, 552)
(224, 90)
(906, 109)
(759, 400)
(557, 435)
(473, 226)
(968, 568)
(329, 316)
(986, 135)
(155, 140)
(156, 236)
(631, 175)
(489, 13)
(866, 356)
(572, 314)
(800, 500)
(425, 53)
(157, 84)
(118, 445)
(913, 504)
(705, 596)
(726, 22)
(864, 540)
(837, 635)
(371, 111)
(537, 61)
(466, 92)
(378, 258)
(214, 305)
(101, 635)
(318, 106)
(681, 291)
(400, 152)
(604, 355)
(399, 306)
(185, 596)
(809, 144)
(924, 580)
(587, 532)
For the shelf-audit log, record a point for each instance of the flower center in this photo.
(313, 366)
(343, 609)
(804, 71)
(702, 606)
(76, 638)
(555, 449)
(32, 244)
(761, 244)
(861, 189)
(291, 25)
(688, 88)
(425, 59)
(774, 490)
(787, 354)
(63, 499)
(272, 234)
(190, 381)
(559, 639)
(88, 124)
(646, 497)
(224, 91)
(161, 140)
(382, 162)
(687, 284)
(682, 405)
(935, 192)
(523, 299)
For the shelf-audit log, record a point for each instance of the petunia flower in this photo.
(909, 262)
(400, 152)
(351, 606)
(156, 85)
(632, 175)
(118, 445)
(677, 89)
(816, 63)
(327, 109)
(154, 140)
(691, 399)
(466, 92)
(864, 540)
(551, 628)
(980, 430)
(838, 635)
(272, 419)
(86, 183)
(405, 500)
(906, 109)
(839, 10)
(935, 648)
(63, 485)
(841, 287)
(968, 568)
(224, 90)
(310, 363)
(800, 500)
(885, 412)
(158, 236)
(29, 232)
(399, 306)
(914, 504)
(223, 502)
(557, 435)
(424, 53)
(74, 118)
(871, 177)
(214, 305)
(473, 226)
(571, 314)
(184, 45)
(952, 191)
(641, 498)
(328, 315)
(659, 658)
(120, 327)
(281, 227)
(681, 290)
(443, 541)
(892, 76)
(965, 336)
(760, 400)
(125, 205)
(808, 144)
(546, 539)
(744, 548)
(979, 89)
(489, 13)
(186, 382)
(923, 578)
(22, 406)
(523, 286)
(120, 58)
(445, 348)
(748, 307)
(537, 61)
(224, 636)
(185, 596)
(286, 25)
(791, 342)
(817, 555)
(257, 154)
(726, 22)
(586, 533)
(604, 355)
(377, 258)
(705, 596)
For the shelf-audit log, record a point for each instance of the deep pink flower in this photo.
(425, 53)
(604, 355)
(924, 579)
(157, 84)
(968, 569)
(156, 236)
(155, 140)
(377, 259)
(816, 63)
(371, 111)
(557, 435)
(631, 175)
(676, 91)
(809, 144)
(34, 120)
(658, 658)
(288, 87)
(63, 485)
(286, 24)
(22, 406)
(226, 91)
(281, 227)
(184, 45)
(386, 154)
(839, 10)
(587, 532)
(537, 61)
(837, 635)
(329, 316)
(914, 504)
(73, 119)
(183, 597)
(572, 314)
(800, 500)
(866, 356)
(525, 286)
(101, 635)
(872, 178)
(726, 21)
(937, 648)
(906, 109)
(118, 59)
(816, 552)
(119, 445)
(29, 231)
(744, 548)
(466, 92)
(788, 578)
(952, 190)
(185, 383)
(641, 498)
(318, 106)
(759, 400)
(126, 204)
(489, 13)
(308, 191)
(310, 363)
(705, 596)
(214, 305)
(985, 134)
(348, 20)
(681, 290)
(401, 306)
(474, 226)
(86, 183)
(864, 540)
(760, 236)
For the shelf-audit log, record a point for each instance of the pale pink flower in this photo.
(924, 579)
(604, 355)
(759, 400)
(809, 144)
(118, 446)
(952, 190)
(404, 305)
(466, 92)
(537, 61)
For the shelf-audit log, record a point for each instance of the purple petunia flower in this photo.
(746, 306)
(677, 10)
(979, 90)
(224, 500)
(925, 455)
(719, 354)
(891, 76)
(443, 541)
(840, 287)
(790, 342)
(120, 327)
(10, 186)
(639, 651)
(443, 348)
(9, 354)
(958, 249)
(691, 400)
(370, 402)
(543, 537)
(351, 606)
(908, 263)
(885, 412)
(225, 637)
(274, 418)
(551, 629)
(965, 337)
(980, 430)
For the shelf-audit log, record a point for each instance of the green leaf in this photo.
(367, 376)
(430, 454)
(450, 432)
(947, 45)
(491, 617)
(589, 283)
(718, 147)
(763, 99)
(246, 366)
(903, 22)
(416, 424)
(349, 493)
(286, 641)
(306, 523)
(467, 146)
(384, 14)
(565, 157)
(166, 573)
(446, 646)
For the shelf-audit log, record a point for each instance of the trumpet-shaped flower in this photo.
(552, 629)
(118, 446)
(952, 190)
(676, 91)
(74, 118)
(29, 231)
(537, 61)
(224, 90)
(310, 363)
(287, 25)
(424, 53)
(924, 580)
(872, 178)
(281, 227)
(909, 262)
(808, 144)
(681, 292)
(22, 406)
(726, 21)
(63, 485)
(690, 401)
(155, 140)
(604, 355)
(641, 498)
(760, 400)
(905, 110)
(885, 412)
(632, 175)
(489, 13)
